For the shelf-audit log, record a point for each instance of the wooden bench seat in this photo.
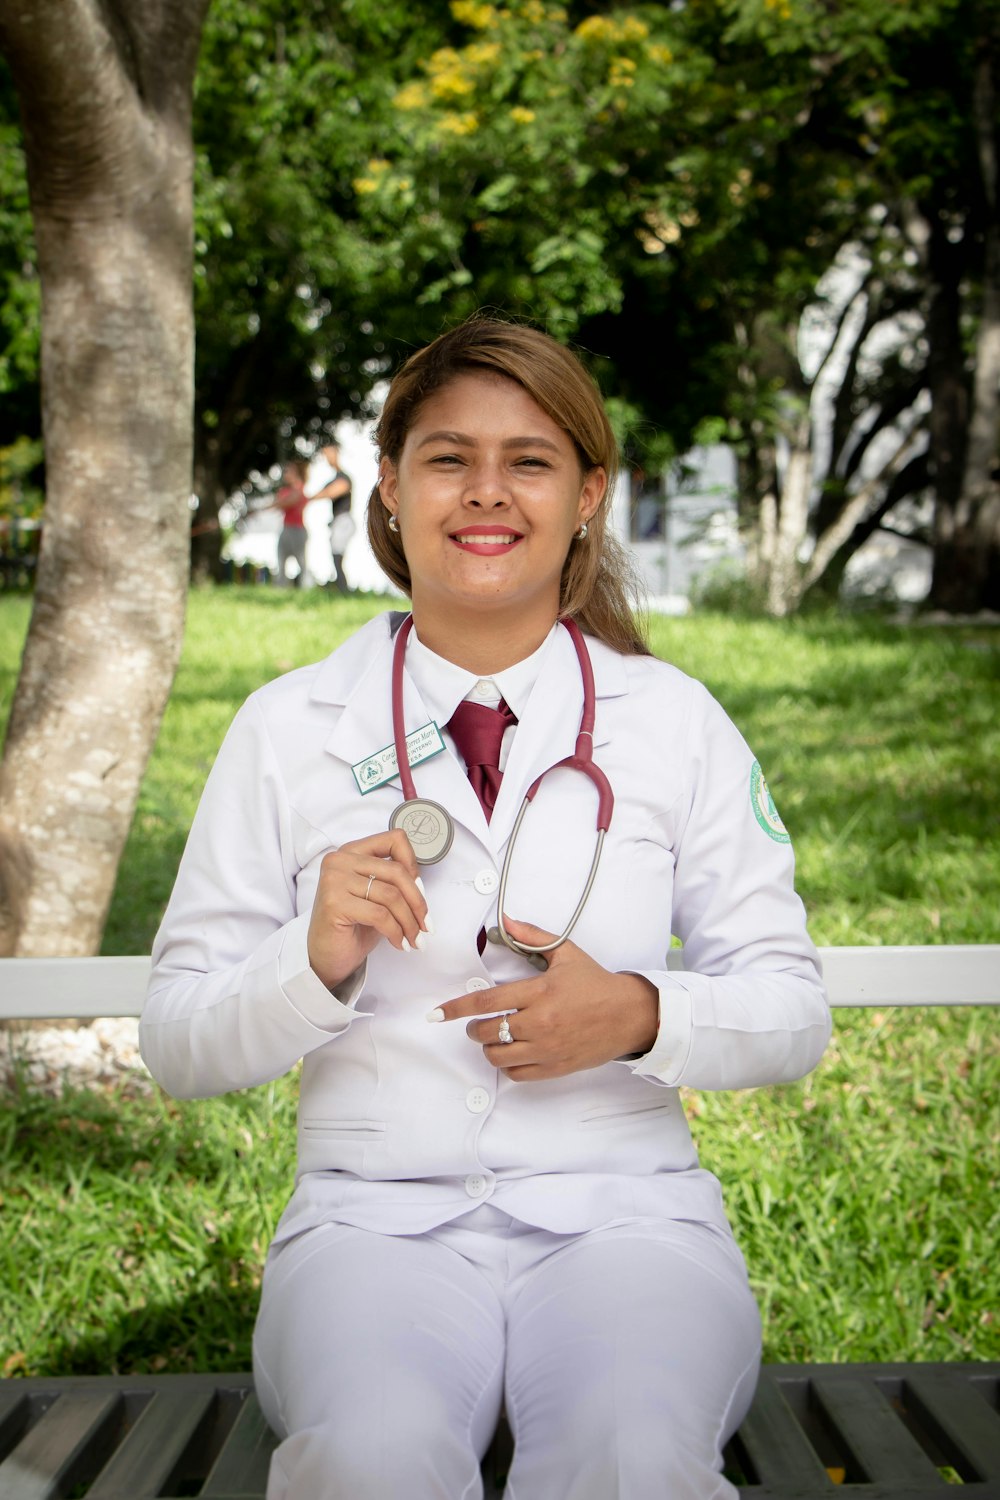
(884, 1432)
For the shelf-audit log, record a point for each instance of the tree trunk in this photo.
(784, 583)
(105, 94)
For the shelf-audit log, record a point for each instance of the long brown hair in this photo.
(598, 587)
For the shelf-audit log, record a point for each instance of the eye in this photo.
(531, 462)
(445, 460)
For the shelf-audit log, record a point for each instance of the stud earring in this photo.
(578, 536)
(392, 523)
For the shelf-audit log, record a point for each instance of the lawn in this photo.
(866, 1198)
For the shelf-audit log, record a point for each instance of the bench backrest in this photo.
(85, 988)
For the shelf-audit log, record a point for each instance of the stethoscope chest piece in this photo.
(428, 827)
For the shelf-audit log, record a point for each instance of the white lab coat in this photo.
(402, 1124)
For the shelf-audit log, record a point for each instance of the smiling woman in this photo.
(488, 494)
(499, 1201)
(551, 415)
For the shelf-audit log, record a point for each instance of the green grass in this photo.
(866, 1198)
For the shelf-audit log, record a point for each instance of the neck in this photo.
(479, 643)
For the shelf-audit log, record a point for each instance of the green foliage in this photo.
(20, 464)
(286, 289)
(19, 291)
(664, 185)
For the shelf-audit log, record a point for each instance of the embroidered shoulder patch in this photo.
(764, 810)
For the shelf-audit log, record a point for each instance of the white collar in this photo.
(442, 685)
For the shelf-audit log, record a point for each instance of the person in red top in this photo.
(292, 500)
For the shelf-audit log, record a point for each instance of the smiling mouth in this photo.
(485, 538)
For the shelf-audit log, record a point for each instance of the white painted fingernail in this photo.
(420, 887)
(420, 941)
(406, 946)
(428, 924)
(435, 1015)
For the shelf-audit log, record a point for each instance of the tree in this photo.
(912, 92)
(292, 301)
(694, 173)
(667, 186)
(105, 101)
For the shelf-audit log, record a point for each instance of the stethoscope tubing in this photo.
(581, 760)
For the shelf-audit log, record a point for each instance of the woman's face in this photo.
(488, 492)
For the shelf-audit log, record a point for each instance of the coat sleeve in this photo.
(749, 1008)
(232, 1000)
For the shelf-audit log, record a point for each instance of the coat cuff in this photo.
(329, 1010)
(667, 1058)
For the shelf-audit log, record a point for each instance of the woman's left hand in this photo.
(576, 1015)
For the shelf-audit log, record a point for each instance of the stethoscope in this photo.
(429, 826)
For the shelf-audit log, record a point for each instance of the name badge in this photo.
(381, 767)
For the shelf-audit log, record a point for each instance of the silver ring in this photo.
(505, 1035)
(368, 890)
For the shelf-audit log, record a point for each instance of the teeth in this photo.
(491, 541)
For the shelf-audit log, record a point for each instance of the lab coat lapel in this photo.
(547, 730)
(363, 683)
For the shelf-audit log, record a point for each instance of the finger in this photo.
(516, 1055)
(387, 896)
(354, 868)
(385, 880)
(537, 937)
(519, 994)
(392, 844)
(356, 912)
(488, 1031)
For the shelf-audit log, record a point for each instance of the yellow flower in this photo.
(365, 185)
(411, 96)
(634, 30)
(451, 85)
(479, 17)
(534, 11)
(521, 115)
(597, 29)
(455, 124)
(481, 54)
(403, 184)
(620, 74)
(658, 54)
(377, 166)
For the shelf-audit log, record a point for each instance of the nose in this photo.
(487, 487)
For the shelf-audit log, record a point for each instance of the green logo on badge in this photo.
(765, 812)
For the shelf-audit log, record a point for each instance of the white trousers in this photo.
(626, 1356)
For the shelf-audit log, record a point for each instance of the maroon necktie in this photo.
(477, 731)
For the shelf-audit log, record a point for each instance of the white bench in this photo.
(85, 988)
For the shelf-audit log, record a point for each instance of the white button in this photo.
(475, 1186)
(484, 688)
(476, 1100)
(472, 985)
(486, 882)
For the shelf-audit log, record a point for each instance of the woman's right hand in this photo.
(368, 889)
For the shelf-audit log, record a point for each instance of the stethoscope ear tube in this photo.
(526, 949)
(429, 826)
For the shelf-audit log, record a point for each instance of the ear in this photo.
(387, 485)
(592, 491)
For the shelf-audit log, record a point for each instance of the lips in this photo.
(486, 542)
